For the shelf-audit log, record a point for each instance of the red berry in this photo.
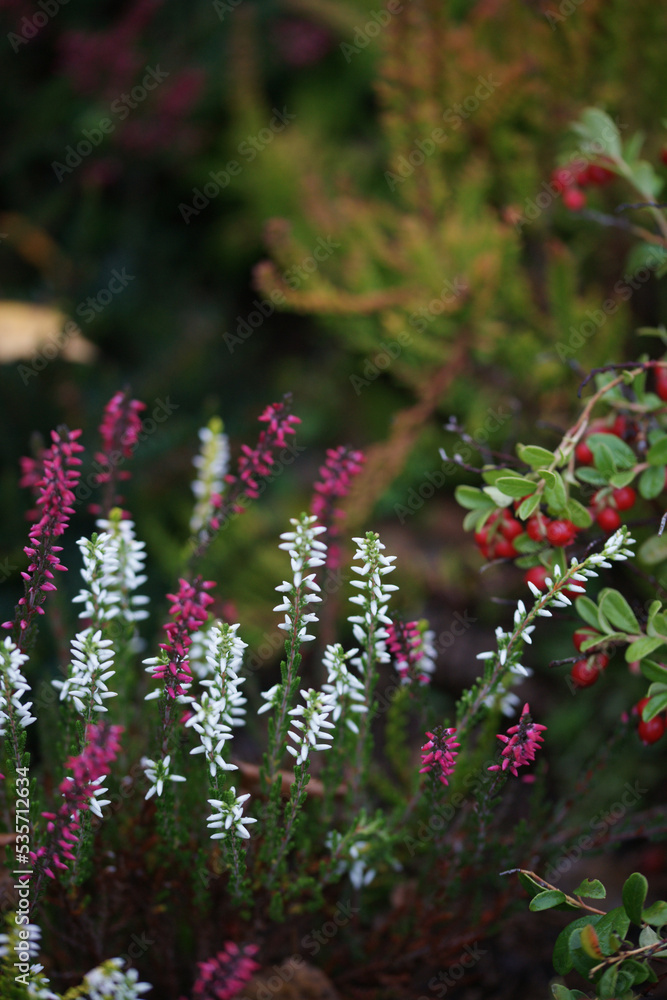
(511, 528)
(582, 635)
(619, 426)
(561, 533)
(600, 661)
(608, 519)
(583, 454)
(663, 155)
(504, 549)
(599, 175)
(536, 575)
(625, 498)
(661, 382)
(574, 199)
(562, 178)
(650, 732)
(584, 674)
(537, 525)
(639, 707)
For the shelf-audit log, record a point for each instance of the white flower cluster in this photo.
(100, 565)
(211, 464)
(129, 572)
(13, 686)
(11, 943)
(353, 863)
(373, 600)
(344, 687)
(86, 685)
(305, 552)
(615, 549)
(157, 773)
(109, 982)
(222, 705)
(229, 814)
(318, 706)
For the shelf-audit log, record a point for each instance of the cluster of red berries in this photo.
(496, 539)
(570, 183)
(587, 670)
(607, 503)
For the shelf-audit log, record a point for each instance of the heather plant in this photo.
(344, 793)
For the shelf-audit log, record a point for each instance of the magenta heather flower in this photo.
(189, 613)
(412, 651)
(55, 497)
(119, 430)
(439, 754)
(225, 975)
(336, 475)
(79, 791)
(523, 741)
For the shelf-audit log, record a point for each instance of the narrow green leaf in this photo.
(515, 486)
(634, 894)
(654, 671)
(556, 495)
(590, 889)
(534, 456)
(656, 914)
(655, 707)
(588, 610)
(472, 498)
(617, 610)
(642, 647)
(657, 624)
(588, 474)
(547, 899)
(653, 550)
(652, 482)
(657, 453)
(561, 992)
(578, 514)
(530, 885)
(606, 987)
(622, 454)
(604, 462)
(529, 506)
(621, 479)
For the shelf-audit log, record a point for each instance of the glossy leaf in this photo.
(617, 610)
(634, 894)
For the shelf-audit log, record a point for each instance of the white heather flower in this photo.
(86, 685)
(373, 600)
(272, 697)
(211, 464)
(228, 814)
(100, 563)
(38, 986)
(129, 572)
(312, 719)
(108, 982)
(157, 773)
(345, 689)
(222, 705)
(353, 863)
(13, 686)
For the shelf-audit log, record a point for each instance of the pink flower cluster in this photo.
(523, 741)
(336, 475)
(439, 754)
(119, 430)
(256, 463)
(223, 977)
(405, 643)
(93, 762)
(189, 613)
(55, 496)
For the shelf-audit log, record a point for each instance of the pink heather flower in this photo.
(439, 754)
(189, 613)
(55, 496)
(411, 651)
(225, 975)
(523, 741)
(119, 430)
(79, 792)
(336, 475)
